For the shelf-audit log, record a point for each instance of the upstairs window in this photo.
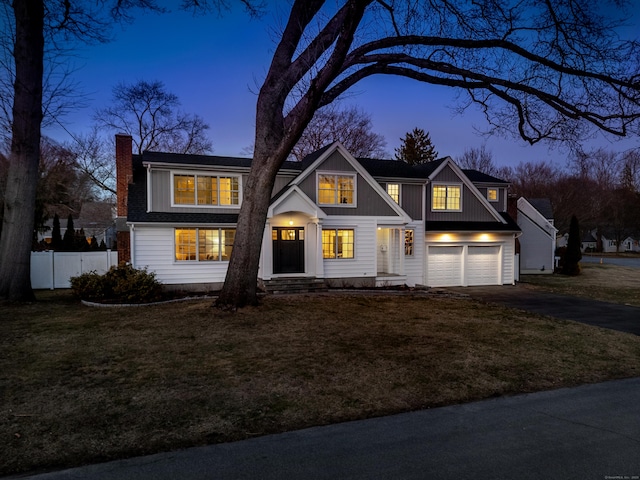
(393, 189)
(336, 189)
(206, 190)
(492, 194)
(446, 198)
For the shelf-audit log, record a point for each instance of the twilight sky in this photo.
(216, 65)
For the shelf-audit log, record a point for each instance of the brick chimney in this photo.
(124, 176)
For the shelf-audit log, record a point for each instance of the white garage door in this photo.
(483, 265)
(444, 266)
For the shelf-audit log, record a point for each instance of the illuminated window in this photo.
(337, 243)
(408, 242)
(393, 189)
(204, 244)
(206, 190)
(336, 189)
(492, 194)
(446, 198)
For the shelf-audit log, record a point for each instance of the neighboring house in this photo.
(538, 239)
(347, 221)
(630, 244)
(96, 219)
(608, 242)
(589, 242)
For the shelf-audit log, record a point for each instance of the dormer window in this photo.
(492, 194)
(446, 198)
(336, 189)
(206, 190)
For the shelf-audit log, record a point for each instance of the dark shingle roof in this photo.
(396, 168)
(464, 226)
(479, 177)
(209, 160)
(542, 205)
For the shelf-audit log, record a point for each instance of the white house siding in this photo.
(360, 269)
(537, 241)
(414, 264)
(154, 248)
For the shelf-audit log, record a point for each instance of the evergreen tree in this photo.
(56, 237)
(573, 255)
(416, 148)
(68, 241)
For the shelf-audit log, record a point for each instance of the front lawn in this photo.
(83, 385)
(606, 282)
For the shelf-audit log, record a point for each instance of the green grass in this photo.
(83, 385)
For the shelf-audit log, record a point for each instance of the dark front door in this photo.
(288, 249)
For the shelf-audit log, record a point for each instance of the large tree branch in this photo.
(361, 54)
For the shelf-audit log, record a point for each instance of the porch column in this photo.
(319, 259)
(266, 258)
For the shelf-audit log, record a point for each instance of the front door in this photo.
(288, 249)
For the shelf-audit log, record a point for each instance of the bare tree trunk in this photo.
(240, 286)
(17, 229)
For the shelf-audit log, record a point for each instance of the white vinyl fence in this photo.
(55, 269)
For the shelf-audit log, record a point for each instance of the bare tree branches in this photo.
(350, 126)
(151, 115)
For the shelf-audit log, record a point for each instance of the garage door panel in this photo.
(444, 266)
(483, 265)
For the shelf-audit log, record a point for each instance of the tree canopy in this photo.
(350, 126)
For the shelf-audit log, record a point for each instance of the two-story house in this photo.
(347, 221)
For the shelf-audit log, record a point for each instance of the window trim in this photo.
(353, 175)
(197, 260)
(216, 174)
(335, 230)
(497, 199)
(399, 186)
(446, 184)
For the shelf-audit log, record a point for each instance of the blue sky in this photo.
(215, 65)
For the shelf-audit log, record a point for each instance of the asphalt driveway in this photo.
(592, 312)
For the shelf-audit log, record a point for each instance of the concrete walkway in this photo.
(601, 314)
(588, 432)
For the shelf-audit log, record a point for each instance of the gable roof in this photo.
(448, 162)
(315, 161)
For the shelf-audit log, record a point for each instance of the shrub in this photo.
(120, 284)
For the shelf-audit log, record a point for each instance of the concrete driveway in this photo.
(600, 314)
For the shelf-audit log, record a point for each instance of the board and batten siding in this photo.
(161, 195)
(368, 201)
(472, 209)
(411, 200)
(155, 250)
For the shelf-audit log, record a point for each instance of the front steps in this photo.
(294, 285)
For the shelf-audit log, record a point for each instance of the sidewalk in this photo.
(587, 432)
